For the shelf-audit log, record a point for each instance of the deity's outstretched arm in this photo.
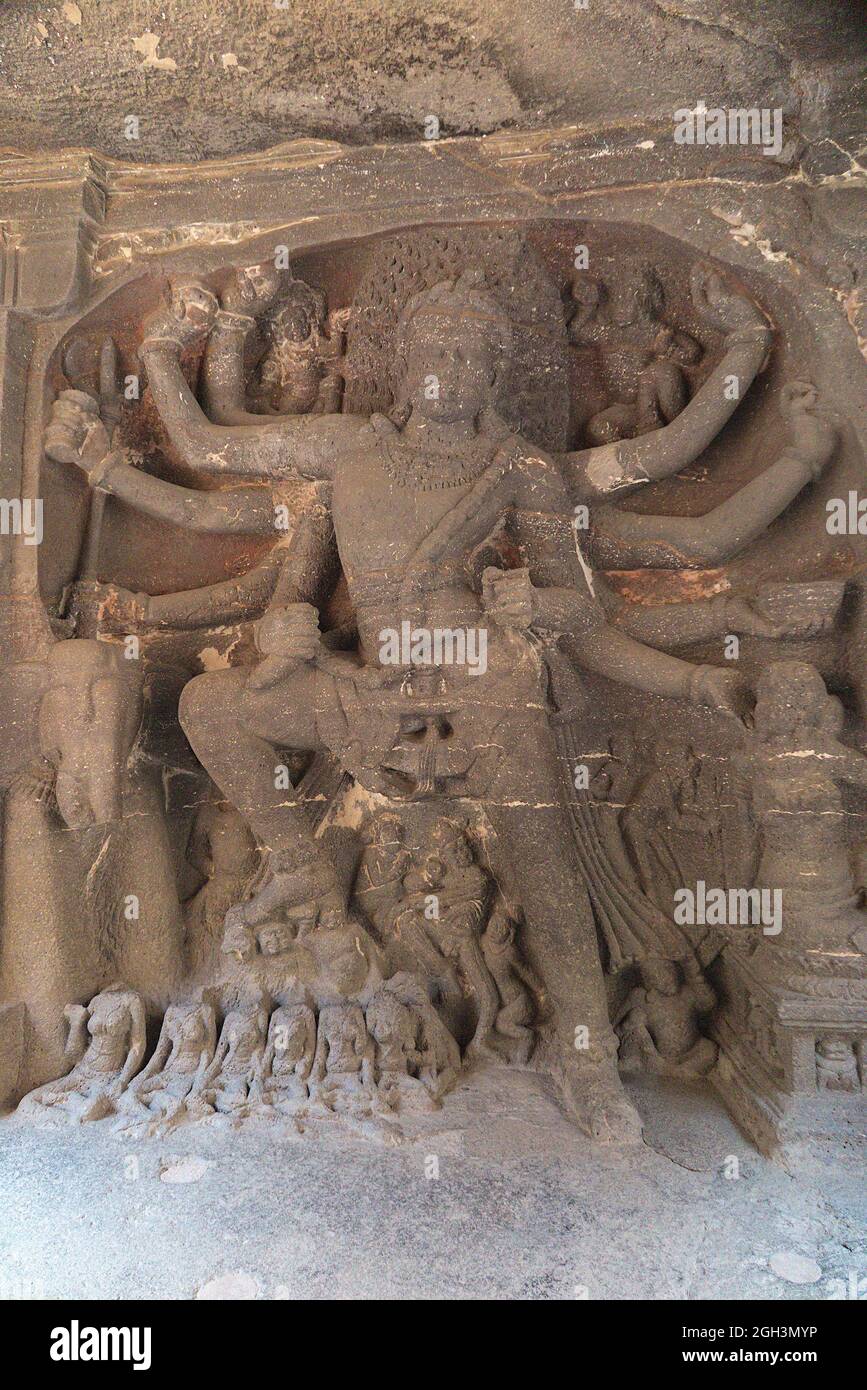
(244, 511)
(293, 573)
(668, 625)
(291, 446)
(301, 569)
(622, 467)
(75, 434)
(571, 612)
(229, 601)
(619, 657)
(625, 540)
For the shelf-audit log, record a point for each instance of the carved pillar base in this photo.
(793, 1065)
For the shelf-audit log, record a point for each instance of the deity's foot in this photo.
(91, 1108)
(594, 1097)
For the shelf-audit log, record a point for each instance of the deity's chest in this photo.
(380, 521)
(624, 363)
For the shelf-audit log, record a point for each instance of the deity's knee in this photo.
(207, 703)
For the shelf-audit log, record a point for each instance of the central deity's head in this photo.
(452, 342)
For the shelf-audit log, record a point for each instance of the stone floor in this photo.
(522, 1207)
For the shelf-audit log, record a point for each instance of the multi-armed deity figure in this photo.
(411, 504)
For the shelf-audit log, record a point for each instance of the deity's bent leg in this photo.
(534, 859)
(237, 733)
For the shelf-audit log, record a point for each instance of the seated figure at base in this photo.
(229, 1080)
(288, 1059)
(170, 1087)
(107, 1041)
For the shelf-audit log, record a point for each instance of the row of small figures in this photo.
(393, 1053)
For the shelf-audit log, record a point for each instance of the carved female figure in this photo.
(342, 1076)
(288, 1058)
(170, 1086)
(227, 1082)
(107, 1042)
(394, 1030)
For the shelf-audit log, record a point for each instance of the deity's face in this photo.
(450, 368)
(274, 939)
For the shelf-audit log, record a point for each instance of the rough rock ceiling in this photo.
(220, 77)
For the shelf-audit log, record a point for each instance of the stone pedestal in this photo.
(793, 1065)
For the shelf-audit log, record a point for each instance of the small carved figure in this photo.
(394, 1029)
(673, 812)
(170, 1086)
(107, 1042)
(515, 983)
(378, 887)
(439, 1055)
(288, 1058)
(643, 357)
(300, 371)
(447, 895)
(237, 1061)
(223, 848)
(836, 1066)
(660, 1026)
(342, 1077)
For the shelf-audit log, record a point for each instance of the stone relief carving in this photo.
(391, 869)
(644, 358)
(107, 1043)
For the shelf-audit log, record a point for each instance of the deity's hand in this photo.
(508, 596)
(117, 609)
(75, 433)
(286, 637)
(723, 691)
(813, 434)
(253, 290)
(723, 307)
(187, 319)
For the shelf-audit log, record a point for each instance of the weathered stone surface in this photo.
(213, 79)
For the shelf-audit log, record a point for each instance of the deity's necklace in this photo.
(426, 471)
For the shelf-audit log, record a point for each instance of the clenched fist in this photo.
(813, 433)
(75, 433)
(508, 596)
(287, 637)
(188, 317)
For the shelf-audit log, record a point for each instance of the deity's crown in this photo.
(464, 297)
